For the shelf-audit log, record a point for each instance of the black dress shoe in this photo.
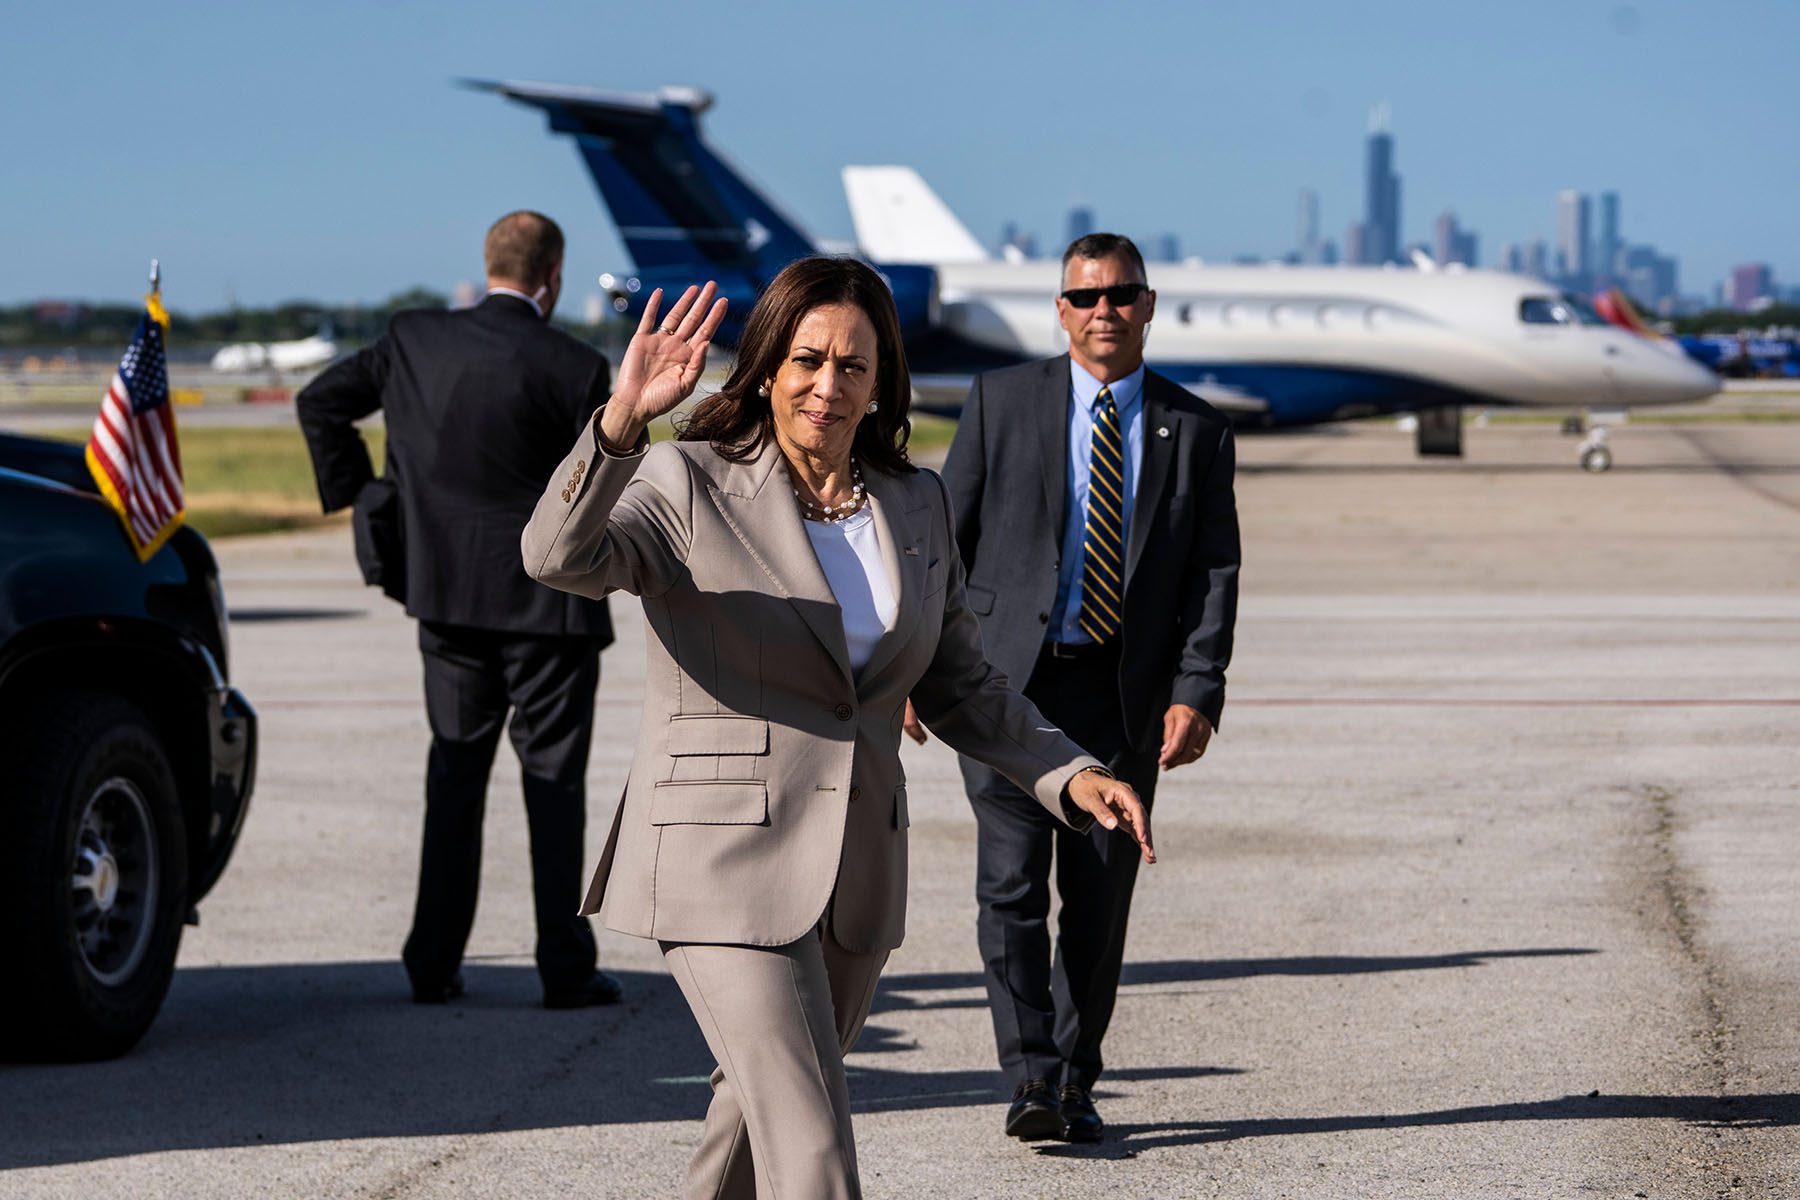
(1033, 1114)
(1080, 1122)
(437, 993)
(600, 988)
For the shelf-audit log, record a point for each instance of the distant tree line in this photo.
(52, 323)
(1725, 320)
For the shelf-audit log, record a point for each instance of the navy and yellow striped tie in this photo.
(1103, 548)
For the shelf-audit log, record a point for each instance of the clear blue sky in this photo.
(320, 150)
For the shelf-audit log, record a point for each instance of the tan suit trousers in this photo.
(779, 1020)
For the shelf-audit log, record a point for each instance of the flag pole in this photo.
(153, 301)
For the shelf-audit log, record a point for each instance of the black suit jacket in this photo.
(1007, 474)
(480, 406)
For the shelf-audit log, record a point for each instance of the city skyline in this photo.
(285, 159)
(1584, 254)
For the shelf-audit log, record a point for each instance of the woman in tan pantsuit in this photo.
(799, 580)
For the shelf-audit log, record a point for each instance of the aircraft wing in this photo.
(1227, 399)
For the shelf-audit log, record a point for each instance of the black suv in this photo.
(126, 758)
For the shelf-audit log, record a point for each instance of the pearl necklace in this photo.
(831, 514)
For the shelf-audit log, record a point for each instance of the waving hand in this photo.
(662, 365)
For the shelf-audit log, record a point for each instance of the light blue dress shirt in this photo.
(1084, 392)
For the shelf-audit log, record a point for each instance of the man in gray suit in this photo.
(1096, 519)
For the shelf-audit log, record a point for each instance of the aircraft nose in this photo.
(1662, 373)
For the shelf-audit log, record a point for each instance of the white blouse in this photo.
(850, 553)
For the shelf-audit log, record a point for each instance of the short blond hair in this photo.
(523, 247)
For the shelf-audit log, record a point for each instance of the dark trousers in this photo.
(472, 678)
(1051, 1011)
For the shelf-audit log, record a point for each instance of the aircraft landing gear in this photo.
(1596, 455)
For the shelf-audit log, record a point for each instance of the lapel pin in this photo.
(912, 551)
(1162, 431)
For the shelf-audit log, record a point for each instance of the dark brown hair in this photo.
(1104, 245)
(737, 421)
(522, 247)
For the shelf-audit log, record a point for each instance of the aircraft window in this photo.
(1289, 316)
(1585, 313)
(1244, 313)
(1545, 310)
(1186, 313)
(1339, 316)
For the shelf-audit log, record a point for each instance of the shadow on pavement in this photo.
(244, 1056)
(1773, 1111)
(267, 614)
(286, 1053)
(886, 1091)
(897, 991)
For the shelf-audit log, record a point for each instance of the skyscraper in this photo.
(1650, 278)
(1381, 194)
(1018, 240)
(1309, 226)
(1537, 259)
(1444, 238)
(1081, 222)
(1749, 283)
(1573, 219)
(1606, 264)
(1468, 249)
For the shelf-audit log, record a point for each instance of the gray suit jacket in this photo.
(767, 781)
(1007, 475)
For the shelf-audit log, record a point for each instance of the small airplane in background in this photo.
(1731, 355)
(279, 357)
(1271, 346)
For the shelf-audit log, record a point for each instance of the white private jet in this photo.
(1272, 346)
(280, 357)
(1280, 345)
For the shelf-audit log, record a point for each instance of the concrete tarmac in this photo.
(1486, 888)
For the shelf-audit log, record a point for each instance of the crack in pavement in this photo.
(424, 1176)
(1744, 475)
(1715, 1161)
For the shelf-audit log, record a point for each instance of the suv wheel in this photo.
(95, 862)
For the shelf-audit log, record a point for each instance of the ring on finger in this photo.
(668, 329)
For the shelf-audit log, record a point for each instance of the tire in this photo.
(1596, 459)
(94, 865)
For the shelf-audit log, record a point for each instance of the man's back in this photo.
(480, 406)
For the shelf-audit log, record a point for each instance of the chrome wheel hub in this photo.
(114, 880)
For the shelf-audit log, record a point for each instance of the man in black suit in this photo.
(480, 406)
(1096, 519)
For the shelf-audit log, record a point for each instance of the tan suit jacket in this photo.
(767, 781)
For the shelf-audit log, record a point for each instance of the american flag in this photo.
(132, 453)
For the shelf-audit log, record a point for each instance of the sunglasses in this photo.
(1119, 295)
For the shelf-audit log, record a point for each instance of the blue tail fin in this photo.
(676, 202)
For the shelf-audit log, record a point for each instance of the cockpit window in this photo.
(1566, 309)
(1544, 310)
(1585, 313)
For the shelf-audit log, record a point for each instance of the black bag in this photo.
(379, 531)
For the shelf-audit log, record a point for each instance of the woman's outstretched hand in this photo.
(1111, 802)
(662, 365)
